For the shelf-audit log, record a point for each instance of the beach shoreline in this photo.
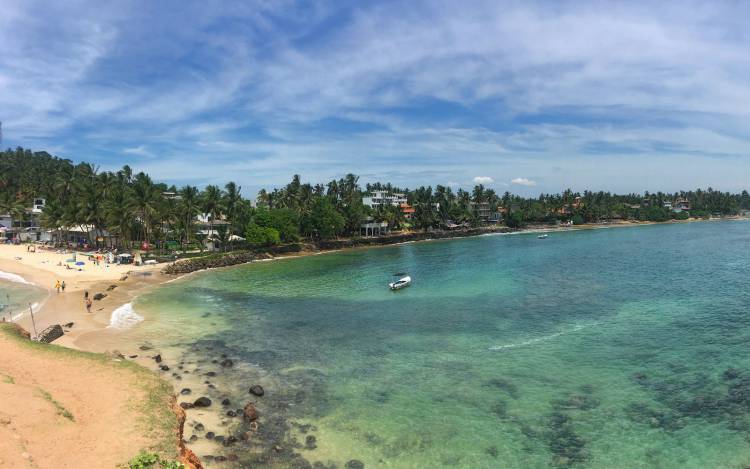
(122, 284)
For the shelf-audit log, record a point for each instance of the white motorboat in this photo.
(543, 236)
(402, 282)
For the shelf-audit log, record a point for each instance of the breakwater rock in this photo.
(212, 261)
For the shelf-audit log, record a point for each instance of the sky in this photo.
(525, 96)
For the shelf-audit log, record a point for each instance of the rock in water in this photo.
(226, 402)
(310, 442)
(164, 367)
(186, 405)
(157, 358)
(185, 391)
(68, 325)
(99, 296)
(227, 363)
(202, 402)
(256, 390)
(249, 412)
(354, 464)
(50, 334)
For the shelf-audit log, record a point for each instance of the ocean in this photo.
(623, 347)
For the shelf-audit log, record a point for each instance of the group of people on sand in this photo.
(60, 287)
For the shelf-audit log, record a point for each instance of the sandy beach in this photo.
(120, 284)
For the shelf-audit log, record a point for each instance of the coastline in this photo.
(91, 332)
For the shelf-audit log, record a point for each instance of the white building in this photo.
(378, 198)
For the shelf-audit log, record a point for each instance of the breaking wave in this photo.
(124, 317)
(15, 278)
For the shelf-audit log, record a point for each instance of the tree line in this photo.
(135, 209)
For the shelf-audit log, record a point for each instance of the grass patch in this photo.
(7, 379)
(60, 409)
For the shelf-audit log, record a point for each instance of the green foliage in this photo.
(134, 208)
(153, 461)
(323, 221)
(257, 235)
(514, 219)
(577, 219)
(681, 216)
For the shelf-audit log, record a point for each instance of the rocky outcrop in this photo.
(50, 334)
(225, 260)
(187, 457)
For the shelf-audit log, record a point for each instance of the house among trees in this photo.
(378, 198)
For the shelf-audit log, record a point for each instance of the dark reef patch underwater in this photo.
(608, 348)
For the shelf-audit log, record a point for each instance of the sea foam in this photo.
(15, 278)
(124, 317)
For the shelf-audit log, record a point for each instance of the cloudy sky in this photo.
(524, 96)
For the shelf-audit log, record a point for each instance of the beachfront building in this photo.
(26, 228)
(408, 211)
(481, 209)
(374, 228)
(378, 198)
(681, 205)
(211, 230)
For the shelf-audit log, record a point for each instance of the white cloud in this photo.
(483, 180)
(523, 182)
(139, 150)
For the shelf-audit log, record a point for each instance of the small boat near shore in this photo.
(543, 236)
(402, 282)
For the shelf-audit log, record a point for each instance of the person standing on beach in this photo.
(62, 285)
(57, 286)
(88, 304)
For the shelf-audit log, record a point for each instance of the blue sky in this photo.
(523, 96)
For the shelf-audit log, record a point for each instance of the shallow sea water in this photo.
(619, 347)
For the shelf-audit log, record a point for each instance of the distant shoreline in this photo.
(230, 259)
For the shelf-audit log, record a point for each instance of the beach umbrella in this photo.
(80, 263)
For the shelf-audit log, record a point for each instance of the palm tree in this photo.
(144, 203)
(212, 205)
(187, 209)
(232, 200)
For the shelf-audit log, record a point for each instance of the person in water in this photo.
(88, 304)
(57, 286)
(62, 286)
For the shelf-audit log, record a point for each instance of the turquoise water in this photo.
(15, 298)
(605, 348)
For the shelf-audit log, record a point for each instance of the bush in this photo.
(152, 461)
(261, 236)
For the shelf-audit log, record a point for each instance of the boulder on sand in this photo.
(202, 402)
(51, 333)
